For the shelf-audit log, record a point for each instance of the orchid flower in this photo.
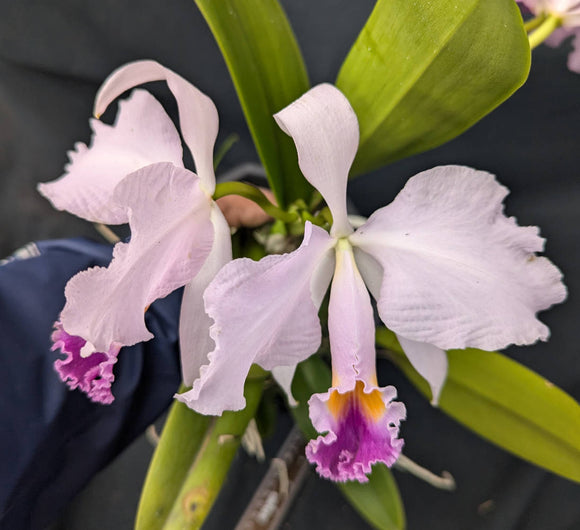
(133, 173)
(563, 22)
(446, 267)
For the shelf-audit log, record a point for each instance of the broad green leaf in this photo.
(205, 476)
(421, 72)
(180, 441)
(268, 72)
(506, 403)
(378, 501)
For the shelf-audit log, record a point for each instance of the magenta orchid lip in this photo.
(92, 374)
(362, 430)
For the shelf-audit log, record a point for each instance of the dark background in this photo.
(53, 57)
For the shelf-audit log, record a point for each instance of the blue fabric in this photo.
(53, 440)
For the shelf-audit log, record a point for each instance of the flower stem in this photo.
(544, 30)
(206, 475)
(254, 194)
(180, 442)
(533, 23)
(443, 482)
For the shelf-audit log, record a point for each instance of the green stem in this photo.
(315, 220)
(254, 194)
(208, 472)
(180, 441)
(545, 29)
(535, 22)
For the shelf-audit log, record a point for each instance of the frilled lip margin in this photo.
(362, 425)
(92, 374)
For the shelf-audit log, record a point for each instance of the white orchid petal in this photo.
(456, 271)
(142, 135)
(370, 270)
(325, 130)
(263, 313)
(429, 361)
(171, 237)
(198, 116)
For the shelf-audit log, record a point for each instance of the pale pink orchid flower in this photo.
(446, 267)
(568, 11)
(133, 172)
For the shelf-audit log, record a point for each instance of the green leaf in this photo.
(507, 404)
(378, 501)
(205, 476)
(180, 441)
(268, 72)
(422, 72)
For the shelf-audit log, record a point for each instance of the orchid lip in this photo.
(362, 425)
(92, 373)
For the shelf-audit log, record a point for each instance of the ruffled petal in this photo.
(194, 323)
(429, 361)
(456, 271)
(142, 135)
(325, 130)
(263, 313)
(351, 325)
(198, 117)
(362, 426)
(171, 237)
(92, 374)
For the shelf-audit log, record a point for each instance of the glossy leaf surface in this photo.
(180, 441)
(506, 403)
(205, 476)
(422, 72)
(268, 72)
